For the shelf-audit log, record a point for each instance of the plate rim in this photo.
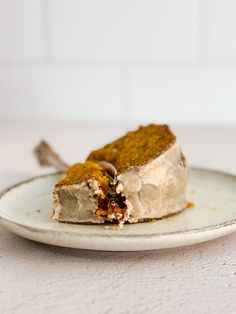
(214, 227)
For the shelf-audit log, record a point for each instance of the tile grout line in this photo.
(47, 38)
(121, 63)
(203, 31)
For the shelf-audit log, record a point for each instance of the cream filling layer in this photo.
(157, 188)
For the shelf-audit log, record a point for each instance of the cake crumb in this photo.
(38, 210)
(190, 205)
(153, 221)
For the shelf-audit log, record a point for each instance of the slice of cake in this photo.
(139, 177)
(88, 194)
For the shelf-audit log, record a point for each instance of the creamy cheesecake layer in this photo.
(76, 203)
(156, 189)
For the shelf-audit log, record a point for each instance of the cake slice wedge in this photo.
(140, 176)
(88, 194)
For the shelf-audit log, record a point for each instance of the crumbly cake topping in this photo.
(136, 148)
(84, 172)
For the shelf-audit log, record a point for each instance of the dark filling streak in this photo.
(112, 203)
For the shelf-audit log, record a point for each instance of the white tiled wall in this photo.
(125, 29)
(202, 93)
(221, 29)
(21, 30)
(64, 92)
(143, 60)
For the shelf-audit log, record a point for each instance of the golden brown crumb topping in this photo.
(83, 172)
(136, 148)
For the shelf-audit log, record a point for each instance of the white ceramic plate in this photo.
(25, 209)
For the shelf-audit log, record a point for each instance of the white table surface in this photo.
(38, 278)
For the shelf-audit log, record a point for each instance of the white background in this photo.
(119, 60)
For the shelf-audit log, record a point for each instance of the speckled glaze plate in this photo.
(25, 209)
